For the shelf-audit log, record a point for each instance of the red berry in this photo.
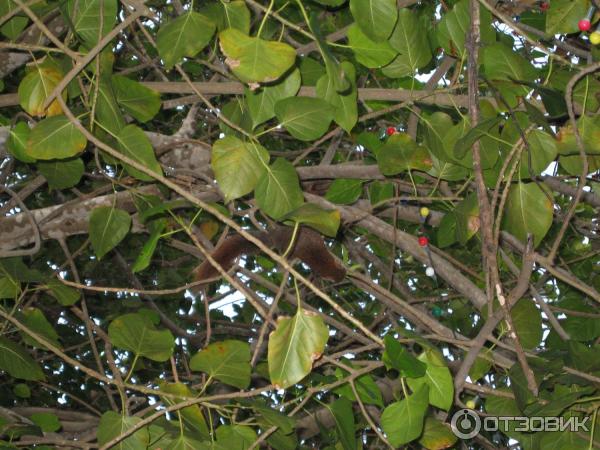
(390, 131)
(423, 241)
(544, 6)
(584, 25)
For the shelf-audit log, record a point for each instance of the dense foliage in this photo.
(447, 152)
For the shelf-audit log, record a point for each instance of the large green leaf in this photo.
(231, 14)
(376, 18)
(144, 258)
(227, 361)
(138, 100)
(467, 218)
(62, 174)
(17, 142)
(15, 360)
(564, 16)
(411, 43)
(65, 295)
(327, 221)
(137, 334)
(368, 391)
(397, 357)
(107, 113)
(238, 437)
(113, 424)
(55, 138)
(403, 421)
(37, 86)
(343, 416)
(369, 53)
(34, 319)
(13, 27)
(254, 60)
(185, 36)
(192, 415)
(294, 345)
(85, 16)
(108, 226)
(344, 191)
(238, 166)
(305, 118)
(346, 107)
(134, 143)
(262, 103)
(502, 63)
(438, 378)
(278, 190)
(528, 323)
(568, 149)
(528, 210)
(401, 153)
(541, 152)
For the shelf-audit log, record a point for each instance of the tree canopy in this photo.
(441, 157)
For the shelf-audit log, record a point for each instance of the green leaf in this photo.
(367, 389)
(568, 149)
(15, 360)
(326, 221)
(48, 422)
(113, 424)
(438, 378)
(294, 345)
(238, 437)
(411, 43)
(346, 108)
(138, 100)
(261, 104)
(254, 60)
(542, 151)
(192, 415)
(108, 115)
(380, 191)
(482, 364)
(17, 142)
(65, 295)
(528, 210)
(403, 421)
(134, 144)
(437, 435)
(397, 357)
(145, 256)
(21, 390)
(185, 36)
(452, 28)
(55, 138)
(37, 86)
(310, 71)
(14, 26)
(278, 190)
(400, 153)
(528, 323)
(62, 174)
(446, 234)
(376, 18)
(342, 413)
(34, 319)
(305, 118)
(85, 16)
(483, 128)
(232, 14)
(369, 53)
(467, 218)
(238, 166)
(137, 334)
(108, 226)
(344, 191)
(502, 63)
(227, 361)
(564, 16)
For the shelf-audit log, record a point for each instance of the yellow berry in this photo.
(470, 404)
(424, 211)
(595, 37)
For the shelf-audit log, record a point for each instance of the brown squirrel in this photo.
(308, 247)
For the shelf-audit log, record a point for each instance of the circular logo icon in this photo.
(465, 424)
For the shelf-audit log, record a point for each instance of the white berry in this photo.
(430, 272)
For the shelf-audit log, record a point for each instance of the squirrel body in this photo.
(308, 247)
